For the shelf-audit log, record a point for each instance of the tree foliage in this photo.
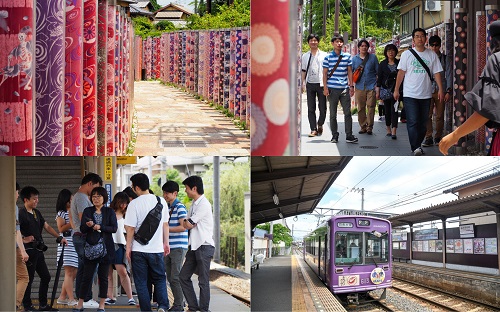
(280, 233)
(155, 4)
(222, 16)
(172, 175)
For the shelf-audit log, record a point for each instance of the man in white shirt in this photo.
(149, 258)
(201, 245)
(312, 84)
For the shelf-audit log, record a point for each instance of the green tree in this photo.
(165, 26)
(155, 4)
(224, 16)
(280, 233)
(172, 175)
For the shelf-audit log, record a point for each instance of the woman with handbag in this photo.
(386, 71)
(98, 222)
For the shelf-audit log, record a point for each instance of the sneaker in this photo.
(77, 310)
(394, 137)
(335, 138)
(47, 308)
(176, 309)
(362, 131)
(30, 308)
(351, 139)
(101, 310)
(320, 130)
(161, 310)
(131, 301)
(109, 301)
(437, 140)
(313, 133)
(428, 142)
(62, 301)
(91, 304)
(381, 118)
(72, 303)
(369, 132)
(418, 152)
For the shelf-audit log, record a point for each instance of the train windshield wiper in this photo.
(373, 259)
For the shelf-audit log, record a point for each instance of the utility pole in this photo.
(337, 15)
(355, 19)
(324, 18)
(362, 191)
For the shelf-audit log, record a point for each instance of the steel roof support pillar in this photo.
(443, 221)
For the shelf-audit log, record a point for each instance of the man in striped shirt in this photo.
(339, 86)
(178, 238)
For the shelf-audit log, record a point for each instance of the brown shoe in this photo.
(362, 131)
(320, 130)
(313, 133)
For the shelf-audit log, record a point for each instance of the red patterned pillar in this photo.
(270, 73)
(481, 62)
(17, 72)
(102, 51)
(90, 78)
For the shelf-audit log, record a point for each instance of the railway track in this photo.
(437, 299)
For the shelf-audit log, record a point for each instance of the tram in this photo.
(351, 254)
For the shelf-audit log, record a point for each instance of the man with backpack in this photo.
(146, 253)
(417, 66)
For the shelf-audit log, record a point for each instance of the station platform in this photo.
(286, 283)
(483, 287)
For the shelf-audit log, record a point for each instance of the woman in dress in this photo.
(386, 69)
(70, 258)
(119, 205)
(100, 221)
(484, 99)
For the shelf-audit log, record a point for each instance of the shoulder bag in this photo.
(94, 247)
(359, 71)
(150, 224)
(423, 64)
(336, 65)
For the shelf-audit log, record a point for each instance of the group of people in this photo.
(96, 238)
(337, 76)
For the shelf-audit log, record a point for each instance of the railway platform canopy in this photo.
(285, 186)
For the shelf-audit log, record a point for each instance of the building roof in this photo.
(299, 183)
(485, 201)
(461, 186)
(142, 4)
(175, 6)
(169, 14)
(136, 10)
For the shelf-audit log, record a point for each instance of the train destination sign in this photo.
(364, 222)
(344, 224)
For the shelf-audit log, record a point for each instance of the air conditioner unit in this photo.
(432, 5)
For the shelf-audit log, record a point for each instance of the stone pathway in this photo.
(173, 122)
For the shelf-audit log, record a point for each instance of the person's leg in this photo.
(157, 269)
(31, 266)
(360, 99)
(423, 106)
(102, 273)
(432, 104)
(345, 101)
(177, 257)
(22, 277)
(394, 116)
(79, 243)
(69, 280)
(321, 106)
(185, 275)
(388, 112)
(333, 100)
(439, 120)
(43, 272)
(110, 283)
(204, 255)
(87, 277)
(125, 279)
(140, 270)
(412, 110)
(64, 293)
(311, 106)
(371, 102)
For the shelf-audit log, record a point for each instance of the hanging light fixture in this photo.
(276, 199)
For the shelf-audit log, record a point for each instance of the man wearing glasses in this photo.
(417, 88)
(435, 44)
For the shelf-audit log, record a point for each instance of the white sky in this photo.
(395, 179)
(185, 3)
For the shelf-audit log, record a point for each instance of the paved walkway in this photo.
(377, 144)
(173, 122)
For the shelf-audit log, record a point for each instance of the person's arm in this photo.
(377, 87)
(349, 80)
(472, 123)
(20, 245)
(303, 75)
(62, 226)
(53, 232)
(439, 82)
(399, 80)
(113, 224)
(130, 236)
(166, 242)
(325, 79)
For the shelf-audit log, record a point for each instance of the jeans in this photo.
(22, 277)
(313, 90)
(142, 263)
(37, 263)
(197, 260)
(173, 263)
(344, 97)
(79, 243)
(417, 112)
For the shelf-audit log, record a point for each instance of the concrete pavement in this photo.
(173, 122)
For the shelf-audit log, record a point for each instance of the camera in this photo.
(40, 245)
(67, 233)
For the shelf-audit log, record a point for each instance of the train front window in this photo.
(348, 248)
(377, 248)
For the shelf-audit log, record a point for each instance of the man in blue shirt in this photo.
(178, 237)
(337, 85)
(365, 90)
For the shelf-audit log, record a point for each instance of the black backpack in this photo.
(150, 224)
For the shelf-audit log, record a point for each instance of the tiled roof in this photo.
(168, 14)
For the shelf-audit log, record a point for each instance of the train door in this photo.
(325, 258)
(320, 250)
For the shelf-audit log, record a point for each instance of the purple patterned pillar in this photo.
(481, 62)
(17, 68)
(49, 130)
(90, 78)
(244, 74)
(460, 104)
(448, 50)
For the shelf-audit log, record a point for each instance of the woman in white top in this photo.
(119, 205)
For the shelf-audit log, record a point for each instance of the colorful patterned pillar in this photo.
(50, 47)
(448, 50)
(237, 80)
(110, 83)
(90, 78)
(17, 81)
(460, 79)
(102, 51)
(492, 12)
(227, 68)
(481, 62)
(270, 73)
(244, 73)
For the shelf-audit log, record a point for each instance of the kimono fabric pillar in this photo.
(481, 62)
(460, 103)
(110, 83)
(269, 122)
(244, 75)
(90, 78)
(492, 12)
(73, 79)
(299, 76)
(49, 77)
(102, 35)
(17, 69)
(117, 81)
